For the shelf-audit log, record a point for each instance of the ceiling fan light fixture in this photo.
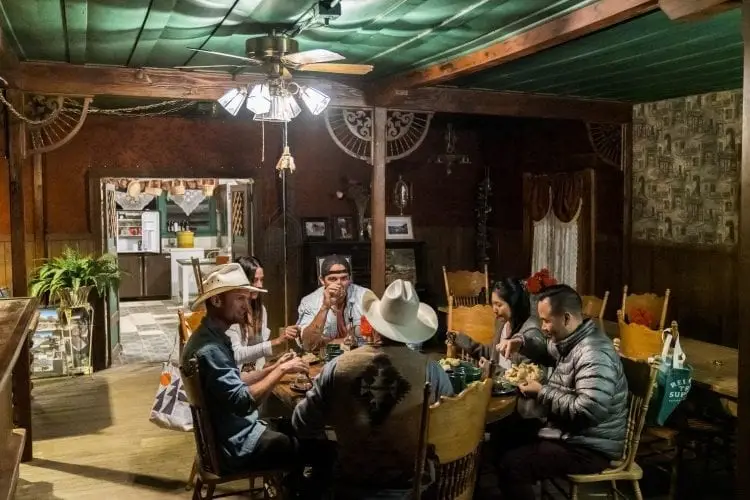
(259, 99)
(315, 100)
(232, 101)
(283, 109)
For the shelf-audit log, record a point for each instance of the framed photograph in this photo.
(399, 228)
(322, 258)
(315, 229)
(343, 227)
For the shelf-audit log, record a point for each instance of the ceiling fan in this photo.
(276, 54)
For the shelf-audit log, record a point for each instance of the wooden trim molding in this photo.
(71, 79)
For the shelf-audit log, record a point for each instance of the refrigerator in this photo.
(138, 232)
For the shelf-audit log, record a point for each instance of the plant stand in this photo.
(68, 326)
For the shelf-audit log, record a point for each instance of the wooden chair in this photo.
(593, 306)
(651, 302)
(209, 474)
(466, 287)
(455, 438)
(641, 378)
(196, 263)
(638, 341)
(478, 322)
(186, 326)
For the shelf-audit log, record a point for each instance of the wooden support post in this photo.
(626, 162)
(377, 199)
(17, 148)
(743, 276)
(22, 369)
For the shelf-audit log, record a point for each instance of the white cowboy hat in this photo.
(222, 279)
(399, 315)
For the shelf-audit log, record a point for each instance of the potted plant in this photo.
(70, 278)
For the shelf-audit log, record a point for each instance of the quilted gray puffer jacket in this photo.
(586, 393)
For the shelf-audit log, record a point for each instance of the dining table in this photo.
(714, 366)
(499, 407)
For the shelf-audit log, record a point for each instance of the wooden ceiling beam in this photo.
(159, 83)
(578, 23)
(681, 10)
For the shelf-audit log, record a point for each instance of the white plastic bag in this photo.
(171, 409)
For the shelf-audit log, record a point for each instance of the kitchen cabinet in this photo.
(144, 275)
(156, 275)
(202, 221)
(131, 267)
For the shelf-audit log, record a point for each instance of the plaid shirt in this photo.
(311, 304)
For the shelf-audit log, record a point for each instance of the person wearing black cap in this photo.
(332, 312)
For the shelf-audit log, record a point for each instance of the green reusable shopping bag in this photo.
(673, 380)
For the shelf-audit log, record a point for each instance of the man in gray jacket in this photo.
(585, 397)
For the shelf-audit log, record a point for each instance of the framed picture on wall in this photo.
(399, 228)
(320, 264)
(343, 227)
(315, 228)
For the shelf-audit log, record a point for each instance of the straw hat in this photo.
(399, 315)
(224, 279)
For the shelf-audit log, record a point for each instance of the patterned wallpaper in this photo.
(686, 158)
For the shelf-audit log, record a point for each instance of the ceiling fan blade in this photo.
(342, 69)
(312, 56)
(242, 58)
(212, 66)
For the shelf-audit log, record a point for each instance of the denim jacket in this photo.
(231, 408)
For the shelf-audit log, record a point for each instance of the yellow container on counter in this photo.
(185, 239)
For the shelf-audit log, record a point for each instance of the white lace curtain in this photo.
(555, 247)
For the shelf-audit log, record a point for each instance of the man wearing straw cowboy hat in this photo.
(373, 395)
(243, 440)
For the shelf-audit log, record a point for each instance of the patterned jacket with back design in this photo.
(586, 393)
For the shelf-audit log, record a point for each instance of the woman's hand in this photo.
(509, 347)
(287, 356)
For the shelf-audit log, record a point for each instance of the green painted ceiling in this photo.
(647, 58)
(393, 35)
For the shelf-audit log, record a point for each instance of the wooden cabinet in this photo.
(18, 317)
(202, 220)
(144, 275)
(156, 275)
(131, 267)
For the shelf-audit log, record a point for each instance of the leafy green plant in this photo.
(73, 271)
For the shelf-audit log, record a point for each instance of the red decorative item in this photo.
(640, 316)
(539, 281)
(365, 328)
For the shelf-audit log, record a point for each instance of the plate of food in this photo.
(310, 358)
(523, 373)
(449, 364)
(301, 383)
(501, 387)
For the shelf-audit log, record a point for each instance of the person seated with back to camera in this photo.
(372, 396)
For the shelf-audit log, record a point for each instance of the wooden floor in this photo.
(93, 440)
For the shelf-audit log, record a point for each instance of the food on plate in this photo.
(523, 373)
(449, 363)
(310, 358)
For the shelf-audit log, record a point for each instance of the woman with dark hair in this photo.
(516, 324)
(250, 340)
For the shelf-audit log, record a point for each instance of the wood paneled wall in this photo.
(703, 284)
(443, 206)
